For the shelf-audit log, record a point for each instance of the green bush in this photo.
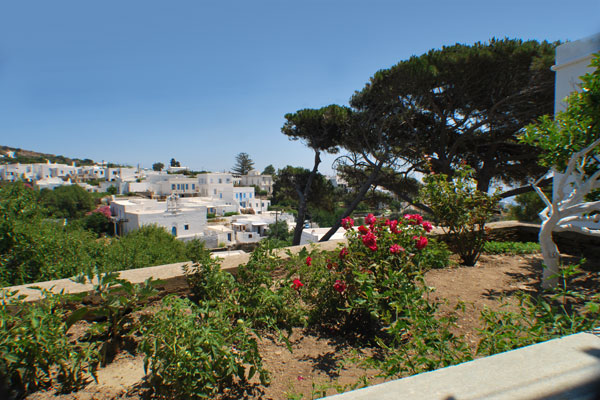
(35, 351)
(527, 207)
(194, 351)
(461, 210)
(511, 247)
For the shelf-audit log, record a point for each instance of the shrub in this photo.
(511, 247)
(193, 351)
(35, 351)
(461, 210)
(118, 298)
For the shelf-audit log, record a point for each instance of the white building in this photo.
(183, 219)
(254, 178)
(313, 235)
(51, 183)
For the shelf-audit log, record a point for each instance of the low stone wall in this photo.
(170, 274)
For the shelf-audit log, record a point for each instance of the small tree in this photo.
(321, 130)
(158, 166)
(243, 164)
(175, 163)
(461, 210)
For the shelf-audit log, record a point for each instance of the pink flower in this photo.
(347, 223)
(297, 284)
(370, 240)
(308, 261)
(427, 225)
(300, 378)
(339, 286)
(363, 230)
(387, 222)
(395, 249)
(394, 226)
(421, 242)
(414, 219)
(370, 219)
(343, 252)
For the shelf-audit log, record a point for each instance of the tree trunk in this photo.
(361, 194)
(550, 254)
(303, 198)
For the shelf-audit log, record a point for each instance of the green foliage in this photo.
(571, 130)
(230, 213)
(253, 294)
(194, 351)
(117, 299)
(291, 179)
(464, 102)
(269, 170)
(158, 166)
(35, 351)
(554, 314)
(511, 247)
(34, 248)
(112, 190)
(71, 202)
(279, 231)
(98, 223)
(460, 209)
(243, 164)
(527, 207)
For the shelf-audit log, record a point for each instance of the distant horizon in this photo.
(144, 82)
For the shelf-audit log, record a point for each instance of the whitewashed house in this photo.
(183, 219)
(254, 178)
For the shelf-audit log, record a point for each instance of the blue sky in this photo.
(144, 81)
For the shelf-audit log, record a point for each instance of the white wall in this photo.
(572, 61)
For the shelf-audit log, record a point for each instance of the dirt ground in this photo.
(317, 362)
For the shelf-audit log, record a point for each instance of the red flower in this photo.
(394, 226)
(363, 230)
(370, 240)
(370, 219)
(395, 249)
(339, 286)
(297, 284)
(347, 223)
(427, 225)
(421, 242)
(308, 261)
(414, 219)
(343, 252)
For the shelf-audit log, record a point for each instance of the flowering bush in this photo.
(359, 286)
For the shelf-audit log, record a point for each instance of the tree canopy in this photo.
(175, 163)
(158, 166)
(320, 129)
(465, 104)
(243, 164)
(269, 170)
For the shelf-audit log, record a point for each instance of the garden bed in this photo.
(324, 362)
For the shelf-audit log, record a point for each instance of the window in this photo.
(250, 195)
(220, 195)
(186, 227)
(220, 180)
(215, 190)
(227, 180)
(173, 187)
(178, 186)
(187, 186)
(193, 186)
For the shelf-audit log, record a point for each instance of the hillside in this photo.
(29, 157)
